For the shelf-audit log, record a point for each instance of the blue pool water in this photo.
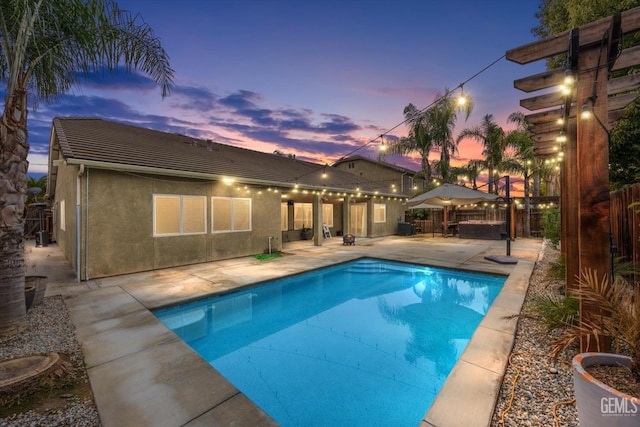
(365, 343)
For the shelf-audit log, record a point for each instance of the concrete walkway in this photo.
(142, 374)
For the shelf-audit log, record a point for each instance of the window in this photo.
(178, 215)
(230, 214)
(351, 165)
(284, 217)
(327, 214)
(63, 216)
(379, 212)
(302, 215)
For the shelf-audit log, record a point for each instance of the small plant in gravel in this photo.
(557, 268)
(556, 311)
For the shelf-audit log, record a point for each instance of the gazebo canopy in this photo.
(450, 195)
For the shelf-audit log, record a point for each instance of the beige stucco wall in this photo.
(117, 223)
(66, 191)
(386, 176)
(117, 226)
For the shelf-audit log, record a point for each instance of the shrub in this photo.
(551, 226)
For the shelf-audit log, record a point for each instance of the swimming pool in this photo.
(368, 342)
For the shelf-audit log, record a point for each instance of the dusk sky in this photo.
(314, 78)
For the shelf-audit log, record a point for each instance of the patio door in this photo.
(358, 219)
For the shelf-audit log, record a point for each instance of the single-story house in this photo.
(127, 199)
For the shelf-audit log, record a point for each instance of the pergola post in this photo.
(592, 52)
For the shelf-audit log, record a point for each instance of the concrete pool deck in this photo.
(141, 373)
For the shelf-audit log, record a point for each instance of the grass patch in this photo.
(268, 257)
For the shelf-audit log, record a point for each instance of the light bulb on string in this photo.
(462, 98)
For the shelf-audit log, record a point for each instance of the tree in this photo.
(35, 188)
(556, 16)
(47, 46)
(432, 128)
(624, 152)
(522, 161)
(492, 138)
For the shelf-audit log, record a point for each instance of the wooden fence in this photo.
(462, 214)
(625, 223)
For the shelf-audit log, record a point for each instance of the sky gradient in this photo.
(314, 78)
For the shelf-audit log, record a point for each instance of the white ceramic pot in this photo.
(598, 404)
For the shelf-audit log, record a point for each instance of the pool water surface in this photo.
(364, 343)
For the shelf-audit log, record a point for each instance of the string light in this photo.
(462, 99)
(436, 101)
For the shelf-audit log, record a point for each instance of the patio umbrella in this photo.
(451, 195)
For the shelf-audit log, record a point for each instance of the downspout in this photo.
(78, 224)
(86, 228)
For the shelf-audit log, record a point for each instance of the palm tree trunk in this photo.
(13, 186)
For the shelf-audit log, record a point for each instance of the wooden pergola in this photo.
(592, 52)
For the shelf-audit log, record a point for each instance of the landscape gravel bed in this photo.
(541, 383)
(49, 329)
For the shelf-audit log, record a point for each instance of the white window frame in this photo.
(376, 207)
(233, 228)
(181, 198)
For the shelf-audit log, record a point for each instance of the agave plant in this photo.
(618, 316)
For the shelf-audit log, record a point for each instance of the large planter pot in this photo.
(597, 403)
(306, 234)
(29, 295)
(40, 283)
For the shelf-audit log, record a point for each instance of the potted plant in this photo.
(306, 233)
(599, 403)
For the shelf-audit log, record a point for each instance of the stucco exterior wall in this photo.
(395, 213)
(65, 195)
(117, 222)
(118, 232)
(389, 177)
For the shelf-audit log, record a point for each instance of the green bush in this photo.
(551, 226)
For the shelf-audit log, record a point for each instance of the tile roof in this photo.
(106, 142)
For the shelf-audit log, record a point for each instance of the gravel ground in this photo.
(540, 382)
(49, 329)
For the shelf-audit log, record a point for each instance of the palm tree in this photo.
(522, 161)
(418, 141)
(492, 138)
(46, 46)
(432, 128)
(472, 171)
(35, 187)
